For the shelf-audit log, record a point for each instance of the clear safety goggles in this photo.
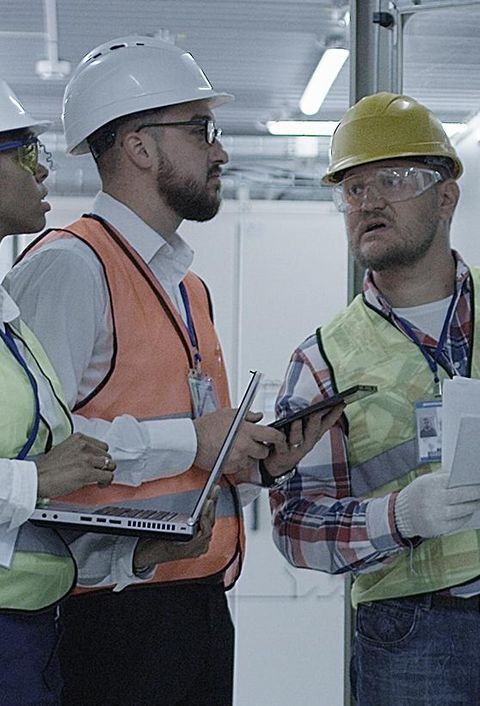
(389, 183)
(27, 153)
(210, 131)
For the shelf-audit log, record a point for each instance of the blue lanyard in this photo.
(433, 358)
(8, 339)
(190, 325)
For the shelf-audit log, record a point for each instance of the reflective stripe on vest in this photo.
(363, 347)
(42, 570)
(390, 465)
(148, 379)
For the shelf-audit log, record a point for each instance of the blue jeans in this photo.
(408, 653)
(29, 665)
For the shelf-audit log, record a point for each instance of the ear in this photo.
(449, 194)
(140, 149)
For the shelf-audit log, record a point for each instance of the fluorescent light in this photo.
(322, 79)
(326, 128)
(302, 127)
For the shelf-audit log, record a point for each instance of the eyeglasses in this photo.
(210, 131)
(27, 153)
(390, 183)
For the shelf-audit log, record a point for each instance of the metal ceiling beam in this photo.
(412, 6)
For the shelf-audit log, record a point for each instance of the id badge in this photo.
(203, 393)
(428, 414)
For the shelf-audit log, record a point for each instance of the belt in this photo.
(446, 601)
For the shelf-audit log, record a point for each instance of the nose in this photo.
(372, 198)
(41, 173)
(218, 152)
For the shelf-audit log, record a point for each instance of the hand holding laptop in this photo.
(157, 551)
(151, 519)
(75, 462)
(252, 443)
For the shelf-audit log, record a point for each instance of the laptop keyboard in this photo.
(134, 512)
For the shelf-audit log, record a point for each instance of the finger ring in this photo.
(106, 463)
(296, 446)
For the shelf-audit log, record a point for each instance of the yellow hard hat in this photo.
(385, 126)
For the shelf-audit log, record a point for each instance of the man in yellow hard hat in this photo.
(369, 499)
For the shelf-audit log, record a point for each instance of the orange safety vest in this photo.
(152, 355)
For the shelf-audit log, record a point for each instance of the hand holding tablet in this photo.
(357, 392)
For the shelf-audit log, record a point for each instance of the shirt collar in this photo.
(374, 297)
(9, 311)
(146, 241)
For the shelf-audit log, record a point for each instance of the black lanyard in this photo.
(9, 341)
(190, 325)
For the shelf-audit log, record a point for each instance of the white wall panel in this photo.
(465, 227)
(283, 275)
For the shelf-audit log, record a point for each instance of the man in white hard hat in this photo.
(132, 338)
(39, 458)
(374, 499)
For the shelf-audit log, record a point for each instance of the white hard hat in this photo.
(13, 116)
(128, 75)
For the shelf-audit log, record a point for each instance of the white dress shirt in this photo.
(63, 297)
(62, 294)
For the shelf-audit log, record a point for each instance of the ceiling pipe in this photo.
(52, 67)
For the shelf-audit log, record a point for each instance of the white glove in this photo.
(427, 507)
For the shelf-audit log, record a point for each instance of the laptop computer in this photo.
(152, 520)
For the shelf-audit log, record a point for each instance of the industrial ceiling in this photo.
(263, 51)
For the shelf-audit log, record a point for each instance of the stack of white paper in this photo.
(461, 431)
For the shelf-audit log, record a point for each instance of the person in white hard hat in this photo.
(39, 458)
(130, 330)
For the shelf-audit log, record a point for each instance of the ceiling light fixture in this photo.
(302, 127)
(322, 79)
(326, 128)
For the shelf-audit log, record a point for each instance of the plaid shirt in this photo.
(318, 524)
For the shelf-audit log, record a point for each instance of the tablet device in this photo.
(357, 392)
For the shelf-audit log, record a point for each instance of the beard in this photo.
(188, 198)
(404, 254)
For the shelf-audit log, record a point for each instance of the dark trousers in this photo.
(154, 646)
(29, 667)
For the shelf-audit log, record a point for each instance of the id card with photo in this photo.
(203, 393)
(428, 415)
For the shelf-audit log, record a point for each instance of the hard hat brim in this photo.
(214, 100)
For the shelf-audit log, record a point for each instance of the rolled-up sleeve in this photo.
(318, 523)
